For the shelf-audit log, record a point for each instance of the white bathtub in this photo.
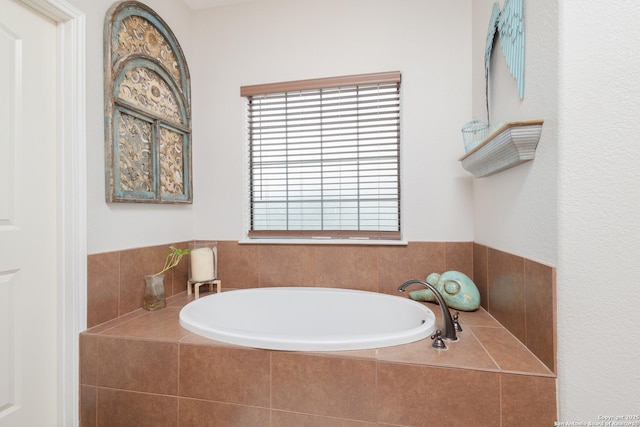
(308, 319)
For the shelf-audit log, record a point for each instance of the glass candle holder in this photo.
(203, 261)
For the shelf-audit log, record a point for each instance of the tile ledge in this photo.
(194, 339)
(543, 371)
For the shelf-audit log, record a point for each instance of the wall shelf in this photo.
(510, 145)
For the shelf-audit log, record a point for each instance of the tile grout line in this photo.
(178, 391)
(270, 388)
(500, 398)
(524, 309)
(470, 329)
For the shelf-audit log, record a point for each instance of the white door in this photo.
(28, 223)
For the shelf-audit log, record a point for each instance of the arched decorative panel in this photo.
(147, 109)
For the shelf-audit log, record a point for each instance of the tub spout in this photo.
(448, 330)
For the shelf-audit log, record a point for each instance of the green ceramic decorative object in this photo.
(457, 289)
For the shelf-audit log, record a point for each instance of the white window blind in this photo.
(324, 157)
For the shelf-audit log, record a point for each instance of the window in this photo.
(324, 157)
(147, 109)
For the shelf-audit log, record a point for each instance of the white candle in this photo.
(202, 264)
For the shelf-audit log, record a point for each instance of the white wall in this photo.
(276, 40)
(599, 210)
(280, 40)
(577, 205)
(120, 226)
(516, 210)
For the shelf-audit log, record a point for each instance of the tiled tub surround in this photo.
(518, 292)
(143, 369)
(116, 279)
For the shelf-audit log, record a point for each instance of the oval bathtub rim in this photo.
(271, 341)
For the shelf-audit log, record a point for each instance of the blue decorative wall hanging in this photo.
(509, 23)
(147, 109)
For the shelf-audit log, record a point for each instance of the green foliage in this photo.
(172, 258)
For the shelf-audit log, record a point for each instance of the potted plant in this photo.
(154, 297)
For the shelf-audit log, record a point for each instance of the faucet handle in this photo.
(456, 324)
(438, 343)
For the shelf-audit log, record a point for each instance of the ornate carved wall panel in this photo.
(147, 109)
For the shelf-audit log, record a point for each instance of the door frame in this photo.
(72, 200)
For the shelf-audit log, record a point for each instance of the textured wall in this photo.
(267, 41)
(273, 41)
(516, 210)
(599, 205)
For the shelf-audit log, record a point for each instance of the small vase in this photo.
(154, 298)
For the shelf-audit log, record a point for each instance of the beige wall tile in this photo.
(459, 257)
(117, 321)
(415, 395)
(178, 275)
(540, 311)
(118, 408)
(328, 386)
(464, 353)
(103, 287)
(351, 267)
(528, 400)
(397, 264)
(162, 325)
(134, 265)
(480, 273)
(238, 265)
(88, 359)
(506, 291)
(479, 317)
(225, 374)
(88, 406)
(292, 419)
(510, 354)
(287, 265)
(140, 365)
(202, 413)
